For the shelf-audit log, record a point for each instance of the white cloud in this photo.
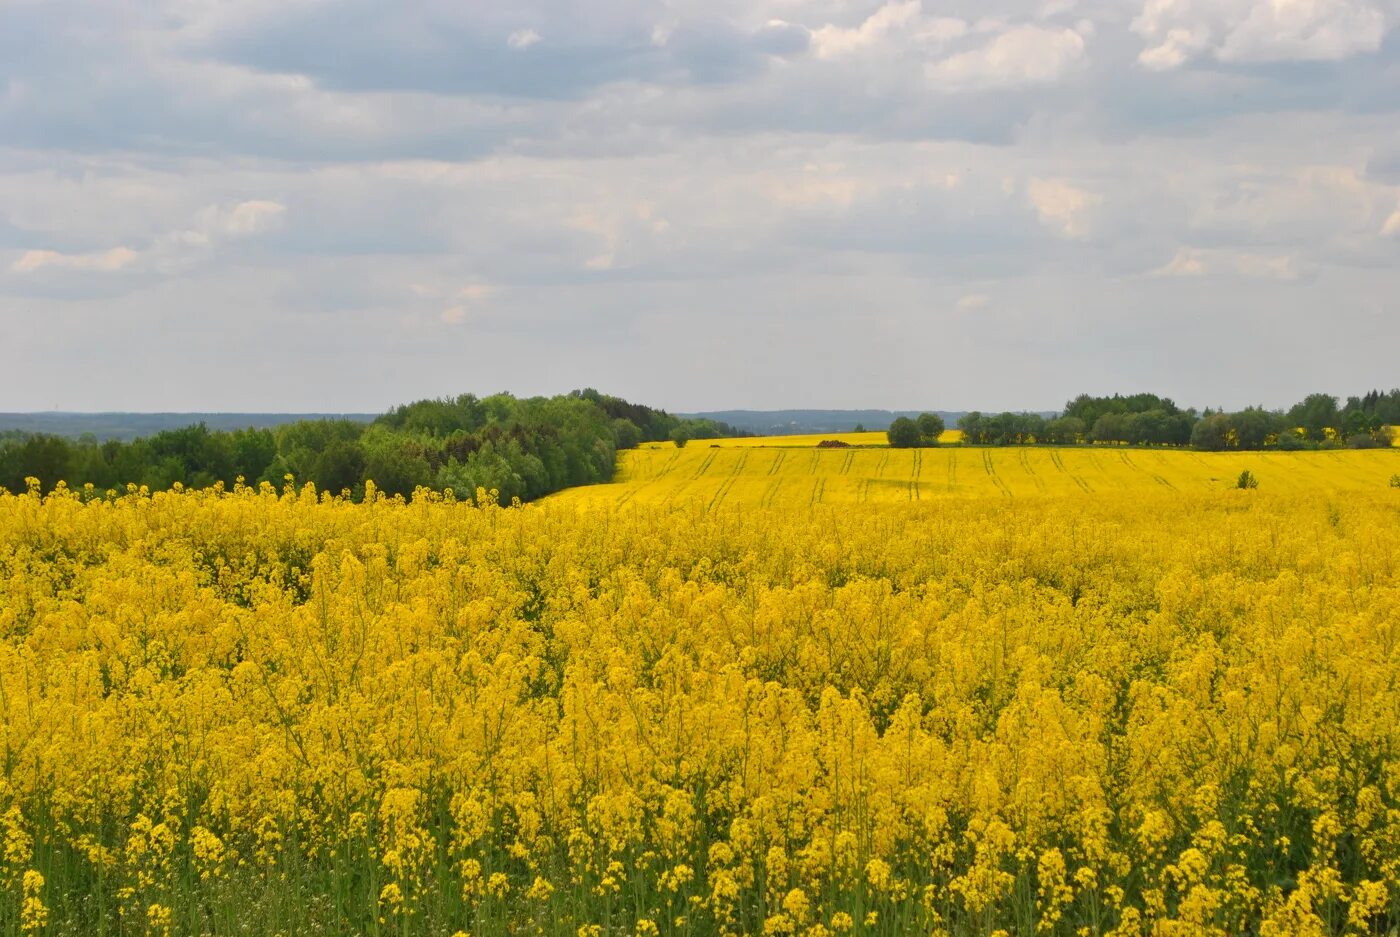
(1201, 262)
(108, 261)
(168, 249)
(974, 301)
(523, 39)
(466, 300)
(1188, 262)
(894, 22)
(1391, 228)
(1022, 55)
(238, 220)
(1063, 207)
(252, 217)
(1266, 266)
(1257, 30)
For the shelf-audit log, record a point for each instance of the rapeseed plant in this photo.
(268, 710)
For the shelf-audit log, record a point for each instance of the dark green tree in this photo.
(1316, 414)
(1211, 432)
(903, 433)
(626, 434)
(339, 466)
(931, 427)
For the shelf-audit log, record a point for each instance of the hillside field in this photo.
(793, 692)
(752, 472)
(804, 441)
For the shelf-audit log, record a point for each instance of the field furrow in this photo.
(727, 476)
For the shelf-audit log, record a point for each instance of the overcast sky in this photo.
(292, 205)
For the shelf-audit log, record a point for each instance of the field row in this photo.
(720, 474)
(804, 441)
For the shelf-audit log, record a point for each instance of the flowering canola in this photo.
(1167, 710)
(715, 473)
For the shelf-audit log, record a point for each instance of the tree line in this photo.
(1319, 421)
(520, 447)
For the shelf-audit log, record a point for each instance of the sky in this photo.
(290, 205)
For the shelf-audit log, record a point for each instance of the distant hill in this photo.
(129, 426)
(796, 422)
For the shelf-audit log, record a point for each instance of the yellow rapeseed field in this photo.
(1166, 708)
(730, 472)
(803, 441)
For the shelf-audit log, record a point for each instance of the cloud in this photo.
(466, 300)
(107, 261)
(246, 218)
(1391, 228)
(1022, 55)
(1188, 262)
(898, 23)
(449, 48)
(1062, 207)
(164, 253)
(1178, 31)
(1201, 262)
(626, 177)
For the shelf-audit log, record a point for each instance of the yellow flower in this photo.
(33, 914)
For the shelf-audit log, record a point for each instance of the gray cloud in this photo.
(558, 50)
(341, 205)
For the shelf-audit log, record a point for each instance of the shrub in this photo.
(1246, 480)
(1395, 480)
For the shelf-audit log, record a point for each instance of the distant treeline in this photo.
(522, 448)
(808, 422)
(1319, 421)
(127, 426)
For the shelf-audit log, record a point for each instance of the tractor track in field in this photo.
(770, 493)
(1026, 465)
(656, 477)
(728, 483)
(846, 465)
(952, 469)
(667, 465)
(1059, 461)
(777, 463)
(991, 470)
(1157, 457)
(880, 469)
(1138, 468)
(914, 494)
(705, 465)
(818, 491)
(1211, 477)
(1093, 458)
